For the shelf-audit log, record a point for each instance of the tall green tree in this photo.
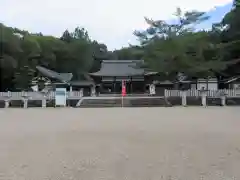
(129, 53)
(171, 48)
(21, 52)
(229, 35)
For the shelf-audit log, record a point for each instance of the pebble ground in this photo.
(192, 143)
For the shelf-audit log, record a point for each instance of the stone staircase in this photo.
(97, 103)
(133, 102)
(149, 102)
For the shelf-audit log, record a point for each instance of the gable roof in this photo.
(63, 77)
(120, 68)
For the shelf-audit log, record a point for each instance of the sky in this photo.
(108, 21)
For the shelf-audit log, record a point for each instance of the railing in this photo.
(110, 100)
(209, 93)
(78, 95)
(37, 95)
(51, 95)
(225, 95)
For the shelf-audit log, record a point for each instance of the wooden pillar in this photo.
(144, 87)
(207, 83)
(114, 87)
(131, 86)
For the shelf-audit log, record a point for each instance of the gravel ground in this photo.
(176, 143)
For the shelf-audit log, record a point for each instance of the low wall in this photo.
(194, 101)
(175, 101)
(211, 101)
(233, 101)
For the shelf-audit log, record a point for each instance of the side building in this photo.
(49, 80)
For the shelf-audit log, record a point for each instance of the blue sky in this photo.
(108, 21)
(216, 15)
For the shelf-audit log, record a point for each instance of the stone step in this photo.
(101, 103)
(147, 102)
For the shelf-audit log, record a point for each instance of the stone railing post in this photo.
(25, 100)
(44, 102)
(184, 98)
(6, 101)
(204, 98)
(223, 98)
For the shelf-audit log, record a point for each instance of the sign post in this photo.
(123, 91)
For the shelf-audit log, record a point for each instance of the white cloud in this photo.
(108, 21)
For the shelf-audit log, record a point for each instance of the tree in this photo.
(171, 48)
(21, 52)
(10, 50)
(129, 53)
(232, 22)
(66, 37)
(168, 48)
(229, 36)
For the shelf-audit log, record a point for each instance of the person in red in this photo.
(123, 88)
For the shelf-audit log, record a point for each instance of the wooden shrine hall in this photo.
(113, 72)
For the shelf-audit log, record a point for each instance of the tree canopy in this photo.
(21, 52)
(171, 48)
(168, 48)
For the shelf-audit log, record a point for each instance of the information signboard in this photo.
(61, 97)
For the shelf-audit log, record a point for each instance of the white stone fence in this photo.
(37, 95)
(78, 95)
(222, 94)
(209, 93)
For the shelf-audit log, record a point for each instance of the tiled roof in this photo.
(64, 77)
(120, 68)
